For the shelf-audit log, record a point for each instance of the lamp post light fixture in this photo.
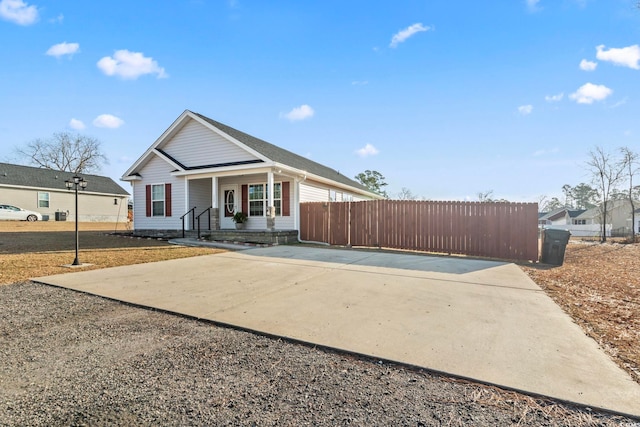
(74, 183)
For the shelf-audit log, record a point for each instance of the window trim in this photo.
(48, 200)
(163, 200)
(265, 198)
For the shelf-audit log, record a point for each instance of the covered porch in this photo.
(268, 198)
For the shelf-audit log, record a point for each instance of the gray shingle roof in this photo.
(283, 156)
(28, 176)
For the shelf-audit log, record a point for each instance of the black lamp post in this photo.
(74, 183)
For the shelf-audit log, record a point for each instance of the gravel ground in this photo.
(70, 359)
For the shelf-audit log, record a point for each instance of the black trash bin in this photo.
(554, 243)
(61, 216)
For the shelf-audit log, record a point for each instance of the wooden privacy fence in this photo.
(493, 230)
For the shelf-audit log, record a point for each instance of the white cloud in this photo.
(532, 5)
(619, 103)
(367, 150)
(299, 113)
(18, 12)
(359, 83)
(63, 48)
(588, 93)
(108, 121)
(627, 56)
(57, 20)
(130, 65)
(554, 98)
(525, 109)
(403, 35)
(588, 65)
(76, 124)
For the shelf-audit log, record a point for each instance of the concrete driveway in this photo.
(476, 319)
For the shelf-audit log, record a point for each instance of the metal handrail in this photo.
(191, 211)
(208, 210)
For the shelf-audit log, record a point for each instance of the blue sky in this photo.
(445, 98)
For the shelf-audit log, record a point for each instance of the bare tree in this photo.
(606, 173)
(406, 194)
(485, 196)
(631, 163)
(568, 197)
(66, 152)
(551, 205)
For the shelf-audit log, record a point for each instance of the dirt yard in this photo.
(33, 249)
(599, 287)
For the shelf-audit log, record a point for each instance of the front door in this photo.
(229, 203)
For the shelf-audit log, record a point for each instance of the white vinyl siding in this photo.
(154, 172)
(200, 195)
(313, 192)
(195, 145)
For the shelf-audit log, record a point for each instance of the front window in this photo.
(43, 200)
(277, 198)
(157, 199)
(258, 199)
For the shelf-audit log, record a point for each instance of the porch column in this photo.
(215, 208)
(271, 210)
(188, 223)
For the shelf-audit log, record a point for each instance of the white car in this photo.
(18, 214)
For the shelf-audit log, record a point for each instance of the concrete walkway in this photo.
(477, 319)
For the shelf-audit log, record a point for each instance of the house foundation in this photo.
(269, 237)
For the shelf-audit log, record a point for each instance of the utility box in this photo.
(61, 216)
(554, 244)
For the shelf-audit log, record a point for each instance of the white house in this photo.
(199, 166)
(44, 191)
(587, 223)
(618, 216)
(559, 217)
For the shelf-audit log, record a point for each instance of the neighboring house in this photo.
(560, 216)
(618, 216)
(201, 163)
(44, 190)
(586, 223)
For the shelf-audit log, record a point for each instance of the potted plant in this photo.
(240, 218)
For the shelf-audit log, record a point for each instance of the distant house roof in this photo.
(560, 213)
(28, 176)
(576, 212)
(554, 214)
